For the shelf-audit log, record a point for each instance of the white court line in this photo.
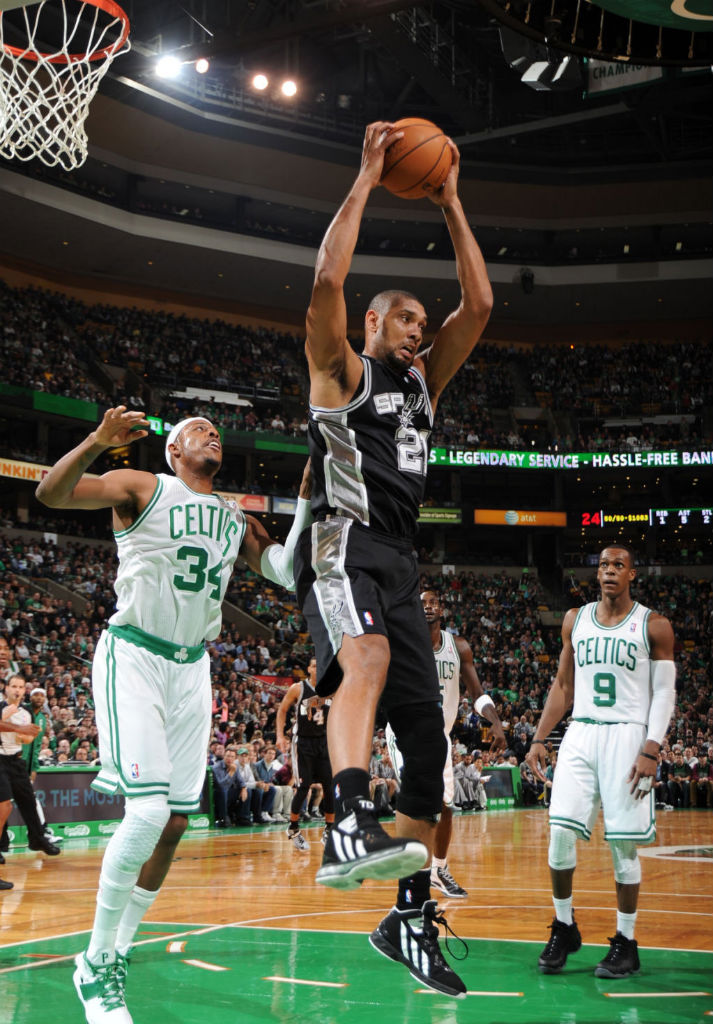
(175, 947)
(263, 922)
(430, 992)
(655, 995)
(205, 966)
(302, 981)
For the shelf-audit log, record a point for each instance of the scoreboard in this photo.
(649, 517)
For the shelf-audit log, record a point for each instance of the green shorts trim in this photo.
(175, 653)
(573, 826)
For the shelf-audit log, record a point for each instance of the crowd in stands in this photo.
(50, 342)
(51, 645)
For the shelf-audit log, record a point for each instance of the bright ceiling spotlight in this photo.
(289, 88)
(260, 82)
(168, 66)
(202, 65)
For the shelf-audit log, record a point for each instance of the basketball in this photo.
(419, 162)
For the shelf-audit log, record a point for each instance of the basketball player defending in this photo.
(454, 663)
(616, 666)
(177, 543)
(357, 579)
(310, 757)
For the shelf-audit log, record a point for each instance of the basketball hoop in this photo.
(46, 86)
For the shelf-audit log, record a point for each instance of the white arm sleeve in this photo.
(663, 683)
(277, 559)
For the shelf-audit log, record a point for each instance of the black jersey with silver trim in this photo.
(310, 720)
(370, 457)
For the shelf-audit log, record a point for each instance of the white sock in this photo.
(563, 910)
(140, 902)
(438, 862)
(625, 923)
(115, 887)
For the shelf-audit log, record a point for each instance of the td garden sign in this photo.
(489, 458)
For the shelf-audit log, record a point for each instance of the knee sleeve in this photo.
(627, 866)
(562, 854)
(135, 840)
(418, 729)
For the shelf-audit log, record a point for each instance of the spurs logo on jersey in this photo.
(612, 666)
(448, 666)
(181, 549)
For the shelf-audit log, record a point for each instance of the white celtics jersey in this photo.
(175, 562)
(611, 667)
(448, 666)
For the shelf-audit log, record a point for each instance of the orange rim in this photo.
(111, 8)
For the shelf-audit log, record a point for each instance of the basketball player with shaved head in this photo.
(177, 543)
(616, 672)
(356, 571)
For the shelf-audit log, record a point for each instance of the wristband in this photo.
(651, 757)
(541, 742)
(483, 701)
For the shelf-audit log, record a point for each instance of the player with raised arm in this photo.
(617, 669)
(356, 571)
(177, 543)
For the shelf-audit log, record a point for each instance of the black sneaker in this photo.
(564, 939)
(6, 885)
(411, 938)
(357, 847)
(45, 846)
(442, 879)
(622, 959)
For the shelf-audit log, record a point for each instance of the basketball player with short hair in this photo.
(454, 662)
(310, 757)
(356, 571)
(617, 668)
(177, 543)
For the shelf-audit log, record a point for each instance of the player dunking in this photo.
(616, 666)
(177, 543)
(370, 420)
(310, 757)
(454, 662)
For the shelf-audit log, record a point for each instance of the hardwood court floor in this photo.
(242, 931)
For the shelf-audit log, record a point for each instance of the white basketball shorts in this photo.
(593, 765)
(153, 720)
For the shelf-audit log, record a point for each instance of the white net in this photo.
(45, 92)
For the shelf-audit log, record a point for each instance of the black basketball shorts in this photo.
(353, 580)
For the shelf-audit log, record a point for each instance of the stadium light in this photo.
(168, 66)
(202, 65)
(260, 82)
(289, 88)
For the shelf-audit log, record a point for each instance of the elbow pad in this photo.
(276, 563)
(663, 684)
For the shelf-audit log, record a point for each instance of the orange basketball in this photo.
(419, 162)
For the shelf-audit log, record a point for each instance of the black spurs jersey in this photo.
(369, 458)
(310, 721)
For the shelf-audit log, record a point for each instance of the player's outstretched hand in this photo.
(119, 427)
(376, 141)
(449, 189)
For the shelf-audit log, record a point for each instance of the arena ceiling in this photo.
(448, 60)
(356, 61)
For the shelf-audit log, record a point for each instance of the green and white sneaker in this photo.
(101, 990)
